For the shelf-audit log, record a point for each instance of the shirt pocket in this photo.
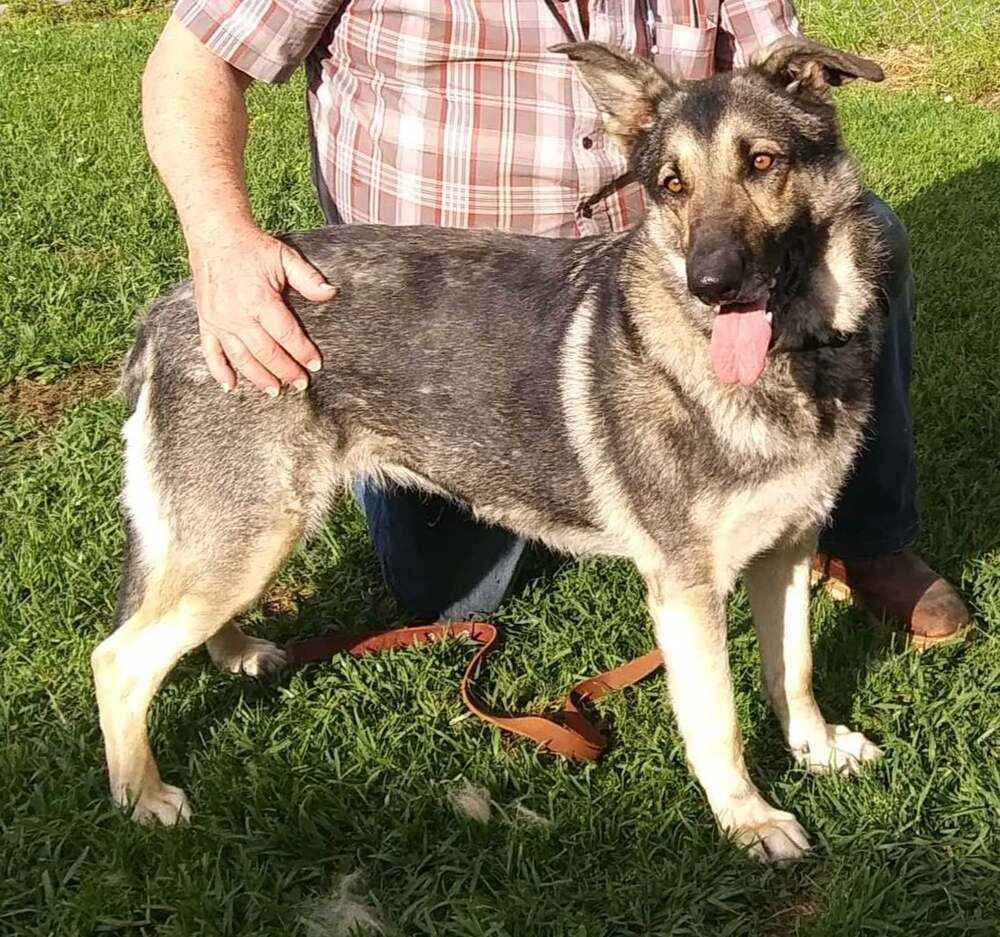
(684, 52)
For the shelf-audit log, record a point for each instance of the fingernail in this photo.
(314, 365)
(226, 388)
(300, 383)
(272, 391)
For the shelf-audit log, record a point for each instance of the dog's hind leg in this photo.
(183, 605)
(200, 550)
(778, 585)
(234, 651)
(691, 631)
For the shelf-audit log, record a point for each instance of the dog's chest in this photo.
(745, 520)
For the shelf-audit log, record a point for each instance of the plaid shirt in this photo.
(453, 112)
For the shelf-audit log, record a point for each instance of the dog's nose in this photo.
(715, 276)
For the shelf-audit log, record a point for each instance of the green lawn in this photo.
(352, 766)
(952, 43)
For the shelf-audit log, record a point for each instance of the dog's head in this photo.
(744, 172)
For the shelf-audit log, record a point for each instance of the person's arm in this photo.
(195, 121)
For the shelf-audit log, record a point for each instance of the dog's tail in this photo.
(136, 370)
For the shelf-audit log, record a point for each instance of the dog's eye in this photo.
(762, 162)
(673, 185)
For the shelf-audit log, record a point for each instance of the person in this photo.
(455, 113)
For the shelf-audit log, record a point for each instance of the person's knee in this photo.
(435, 558)
(428, 595)
(895, 242)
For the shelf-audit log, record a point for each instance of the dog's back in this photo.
(441, 367)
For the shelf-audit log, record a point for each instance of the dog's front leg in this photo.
(691, 630)
(778, 585)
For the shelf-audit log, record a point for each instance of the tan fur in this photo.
(778, 586)
(185, 603)
(691, 632)
(847, 292)
(129, 665)
(140, 496)
(606, 493)
(748, 521)
(234, 651)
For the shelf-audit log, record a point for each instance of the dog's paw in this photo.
(158, 803)
(768, 834)
(254, 657)
(840, 752)
(776, 837)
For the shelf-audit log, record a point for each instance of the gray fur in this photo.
(560, 388)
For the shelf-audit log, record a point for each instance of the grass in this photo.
(349, 766)
(951, 44)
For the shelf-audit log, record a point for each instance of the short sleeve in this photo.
(754, 24)
(265, 39)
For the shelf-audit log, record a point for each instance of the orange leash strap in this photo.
(569, 733)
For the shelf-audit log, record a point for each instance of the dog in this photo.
(690, 394)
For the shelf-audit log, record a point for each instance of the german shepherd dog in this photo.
(690, 394)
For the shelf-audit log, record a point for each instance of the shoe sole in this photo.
(841, 592)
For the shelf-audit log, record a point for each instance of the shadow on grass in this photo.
(955, 386)
(956, 374)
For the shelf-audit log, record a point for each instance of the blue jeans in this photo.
(441, 563)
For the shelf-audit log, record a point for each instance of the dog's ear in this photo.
(800, 63)
(625, 88)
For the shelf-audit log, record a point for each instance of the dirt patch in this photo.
(906, 66)
(990, 99)
(47, 402)
(787, 920)
(284, 600)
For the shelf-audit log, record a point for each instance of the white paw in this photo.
(775, 838)
(254, 657)
(769, 834)
(841, 751)
(158, 803)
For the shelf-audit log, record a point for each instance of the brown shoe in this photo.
(899, 587)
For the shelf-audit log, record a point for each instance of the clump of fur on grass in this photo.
(471, 801)
(343, 911)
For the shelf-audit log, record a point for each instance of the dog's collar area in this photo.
(781, 341)
(815, 343)
(788, 278)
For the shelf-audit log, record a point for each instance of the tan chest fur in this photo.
(746, 521)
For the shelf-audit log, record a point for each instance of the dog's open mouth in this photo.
(741, 336)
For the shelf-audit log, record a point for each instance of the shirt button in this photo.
(586, 143)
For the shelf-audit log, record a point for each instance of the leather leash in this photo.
(569, 733)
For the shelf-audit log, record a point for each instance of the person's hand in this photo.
(246, 328)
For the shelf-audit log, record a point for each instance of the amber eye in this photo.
(673, 185)
(763, 161)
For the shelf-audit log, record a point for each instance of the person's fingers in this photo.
(246, 327)
(304, 277)
(282, 326)
(248, 366)
(215, 358)
(272, 356)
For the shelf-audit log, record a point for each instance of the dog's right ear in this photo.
(800, 63)
(625, 88)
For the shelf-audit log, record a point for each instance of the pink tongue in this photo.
(740, 338)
